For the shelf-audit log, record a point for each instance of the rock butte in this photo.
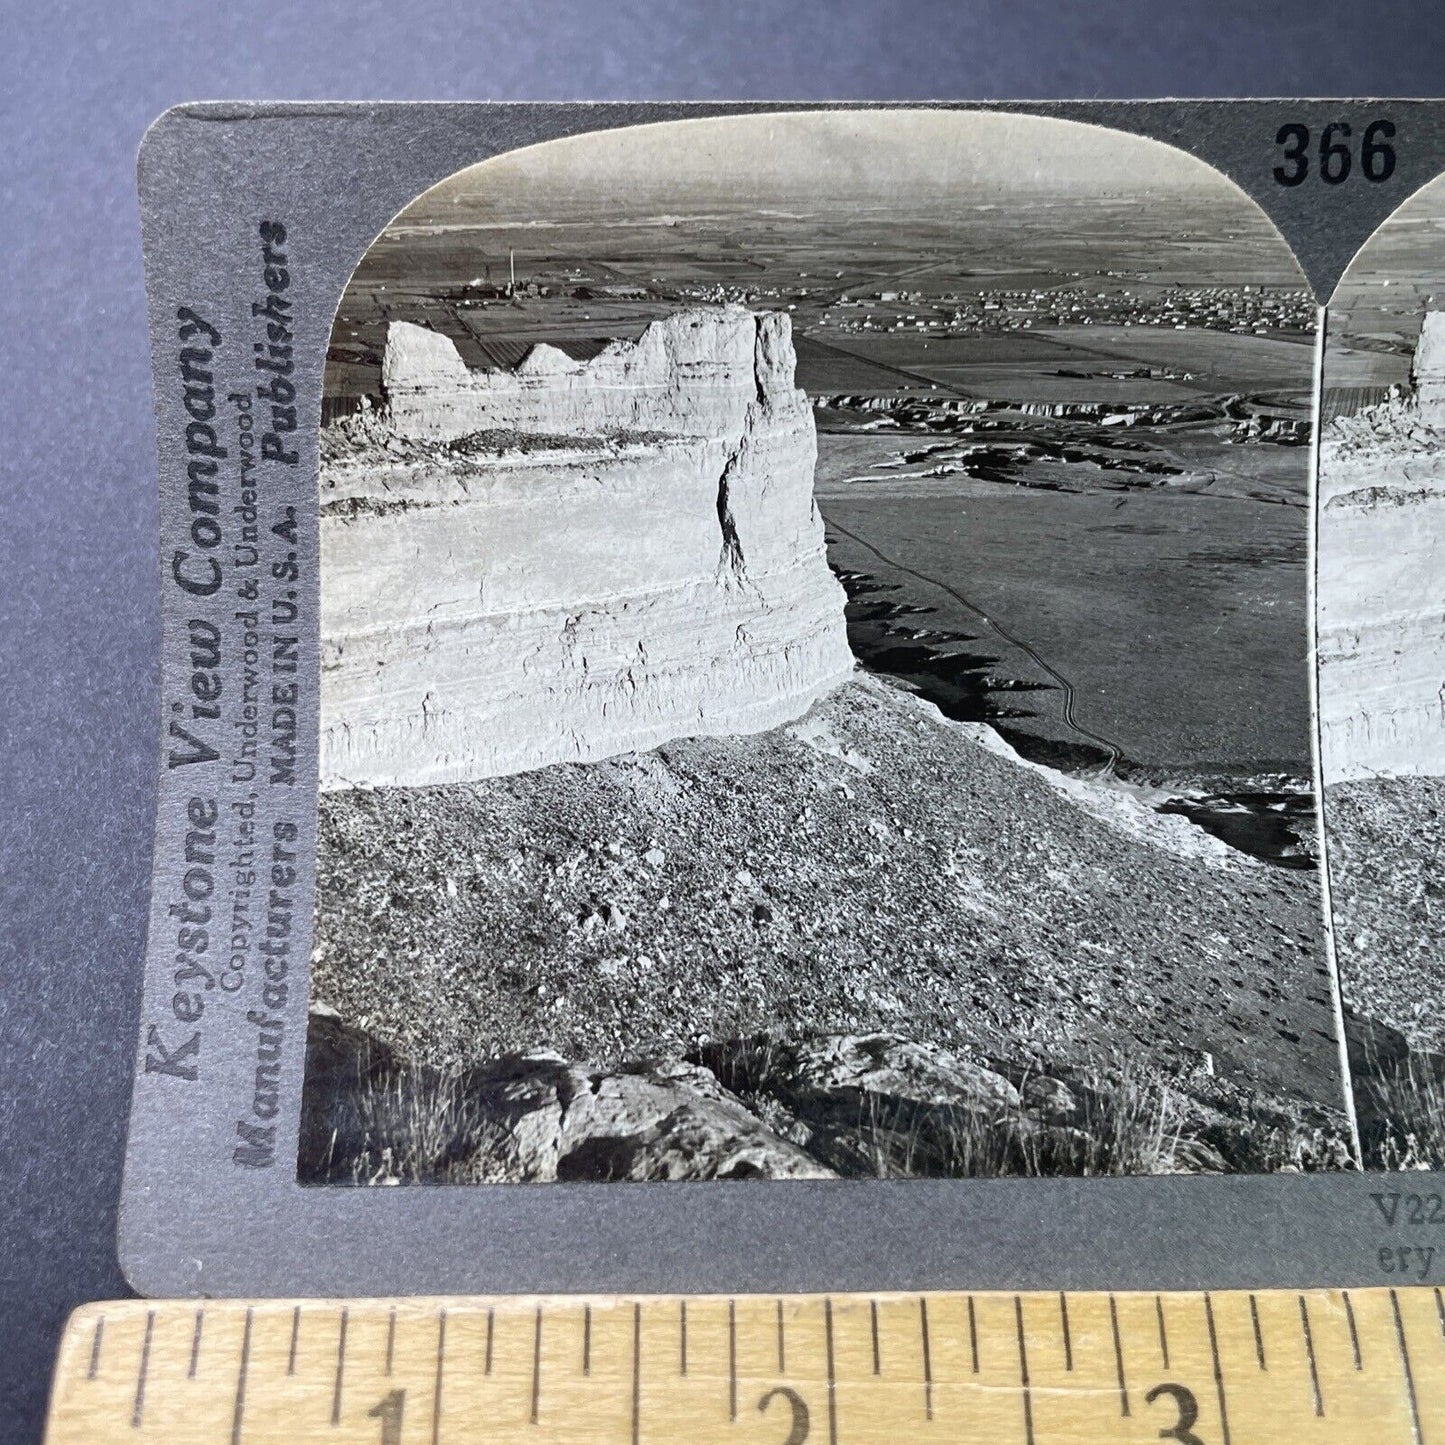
(573, 560)
(1380, 588)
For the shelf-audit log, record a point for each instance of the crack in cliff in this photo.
(732, 564)
(758, 350)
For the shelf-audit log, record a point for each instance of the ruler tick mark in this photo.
(1068, 1336)
(196, 1344)
(238, 1410)
(1219, 1368)
(536, 1364)
(1405, 1361)
(295, 1334)
(95, 1340)
(1118, 1357)
(340, 1370)
(682, 1337)
(1024, 1367)
(782, 1345)
(1258, 1334)
(873, 1322)
(436, 1397)
(1304, 1319)
(972, 1334)
(1440, 1311)
(637, 1370)
(832, 1376)
(491, 1326)
(1354, 1332)
(732, 1360)
(390, 1338)
(1163, 1333)
(586, 1339)
(927, 1358)
(137, 1413)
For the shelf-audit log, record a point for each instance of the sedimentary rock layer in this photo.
(1381, 586)
(572, 560)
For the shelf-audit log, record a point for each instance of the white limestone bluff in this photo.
(572, 560)
(1381, 584)
(706, 372)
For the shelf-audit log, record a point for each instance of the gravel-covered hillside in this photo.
(871, 868)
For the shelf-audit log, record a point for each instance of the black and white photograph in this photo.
(1381, 602)
(815, 667)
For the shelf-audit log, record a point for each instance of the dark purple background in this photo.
(78, 590)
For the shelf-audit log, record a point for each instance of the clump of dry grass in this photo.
(404, 1123)
(424, 1127)
(1404, 1115)
(1126, 1121)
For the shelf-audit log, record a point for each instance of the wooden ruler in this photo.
(847, 1369)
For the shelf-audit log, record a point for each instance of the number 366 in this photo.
(1377, 155)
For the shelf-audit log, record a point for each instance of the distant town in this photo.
(1243, 310)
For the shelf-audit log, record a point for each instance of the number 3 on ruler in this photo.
(1182, 1429)
(1377, 155)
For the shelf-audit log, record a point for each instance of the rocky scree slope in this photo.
(872, 870)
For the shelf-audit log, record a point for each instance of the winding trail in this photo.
(1066, 688)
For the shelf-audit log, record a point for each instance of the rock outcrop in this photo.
(572, 560)
(855, 1106)
(1381, 580)
(527, 1118)
(701, 372)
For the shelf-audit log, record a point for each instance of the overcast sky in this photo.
(912, 159)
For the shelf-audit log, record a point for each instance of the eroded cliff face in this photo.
(697, 373)
(1381, 582)
(572, 560)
